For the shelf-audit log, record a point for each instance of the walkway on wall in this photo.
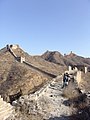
(32, 66)
(49, 101)
(11, 51)
(5, 109)
(48, 85)
(36, 68)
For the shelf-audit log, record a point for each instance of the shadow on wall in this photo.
(84, 114)
(60, 118)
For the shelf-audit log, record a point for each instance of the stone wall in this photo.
(14, 46)
(78, 77)
(5, 109)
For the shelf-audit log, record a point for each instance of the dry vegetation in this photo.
(20, 77)
(78, 101)
(85, 83)
(71, 91)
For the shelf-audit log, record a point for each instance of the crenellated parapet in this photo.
(12, 46)
(78, 68)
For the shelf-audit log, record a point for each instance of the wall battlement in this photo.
(79, 68)
(12, 46)
(21, 59)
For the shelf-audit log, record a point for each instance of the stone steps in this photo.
(5, 115)
(5, 109)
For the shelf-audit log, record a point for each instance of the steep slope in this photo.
(15, 75)
(54, 57)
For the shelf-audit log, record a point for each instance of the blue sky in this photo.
(40, 25)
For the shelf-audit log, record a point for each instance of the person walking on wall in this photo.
(65, 79)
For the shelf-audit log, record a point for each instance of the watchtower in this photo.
(21, 59)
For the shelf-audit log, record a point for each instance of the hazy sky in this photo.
(40, 25)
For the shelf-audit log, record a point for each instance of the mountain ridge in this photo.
(15, 75)
(65, 60)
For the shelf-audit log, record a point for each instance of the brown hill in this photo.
(28, 75)
(71, 59)
(54, 57)
(78, 60)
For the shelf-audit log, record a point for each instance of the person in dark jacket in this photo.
(65, 79)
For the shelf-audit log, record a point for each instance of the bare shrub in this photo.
(70, 91)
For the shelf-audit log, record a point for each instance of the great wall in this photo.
(22, 60)
(6, 109)
(71, 69)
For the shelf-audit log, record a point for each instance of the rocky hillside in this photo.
(27, 76)
(54, 57)
(42, 95)
(70, 59)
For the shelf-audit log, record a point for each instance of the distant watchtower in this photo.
(12, 46)
(21, 59)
